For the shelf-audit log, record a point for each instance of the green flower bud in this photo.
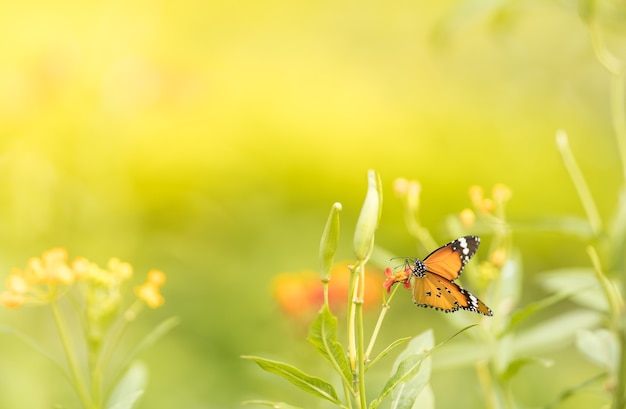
(330, 240)
(368, 219)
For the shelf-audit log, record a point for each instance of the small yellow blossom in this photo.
(400, 187)
(487, 271)
(501, 193)
(17, 284)
(476, 196)
(498, 257)
(156, 277)
(468, 217)
(81, 267)
(11, 300)
(120, 269)
(149, 292)
(488, 205)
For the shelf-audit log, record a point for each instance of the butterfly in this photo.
(433, 283)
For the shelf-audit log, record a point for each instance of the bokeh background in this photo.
(209, 139)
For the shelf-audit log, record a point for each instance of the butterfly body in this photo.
(433, 278)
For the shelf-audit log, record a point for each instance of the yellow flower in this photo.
(50, 268)
(11, 300)
(501, 193)
(16, 283)
(120, 269)
(467, 217)
(149, 292)
(476, 196)
(498, 257)
(488, 205)
(156, 277)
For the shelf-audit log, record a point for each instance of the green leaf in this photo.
(600, 346)
(426, 399)
(407, 367)
(514, 367)
(153, 336)
(464, 15)
(129, 388)
(572, 391)
(405, 395)
(509, 286)
(581, 283)
(307, 383)
(554, 333)
(31, 342)
(571, 225)
(323, 336)
(274, 405)
(461, 355)
(519, 316)
(386, 351)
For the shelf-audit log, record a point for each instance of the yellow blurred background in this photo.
(209, 139)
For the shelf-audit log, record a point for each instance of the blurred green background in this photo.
(209, 139)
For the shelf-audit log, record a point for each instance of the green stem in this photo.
(114, 340)
(359, 336)
(383, 312)
(354, 278)
(71, 359)
(618, 112)
(96, 376)
(415, 229)
(579, 183)
(616, 310)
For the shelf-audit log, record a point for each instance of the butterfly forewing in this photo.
(448, 261)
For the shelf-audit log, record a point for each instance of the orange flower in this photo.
(400, 276)
(298, 293)
(302, 293)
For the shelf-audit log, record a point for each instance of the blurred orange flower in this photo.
(301, 293)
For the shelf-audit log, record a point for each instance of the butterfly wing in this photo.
(448, 261)
(430, 290)
(433, 291)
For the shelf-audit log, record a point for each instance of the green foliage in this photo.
(323, 336)
(412, 369)
(311, 384)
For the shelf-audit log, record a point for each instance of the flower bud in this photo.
(368, 219)
(330, 240)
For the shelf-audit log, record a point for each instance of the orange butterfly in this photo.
(433, 284)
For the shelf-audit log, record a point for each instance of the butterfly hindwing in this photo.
(472, 303)
(448, 261)
(432, 291)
